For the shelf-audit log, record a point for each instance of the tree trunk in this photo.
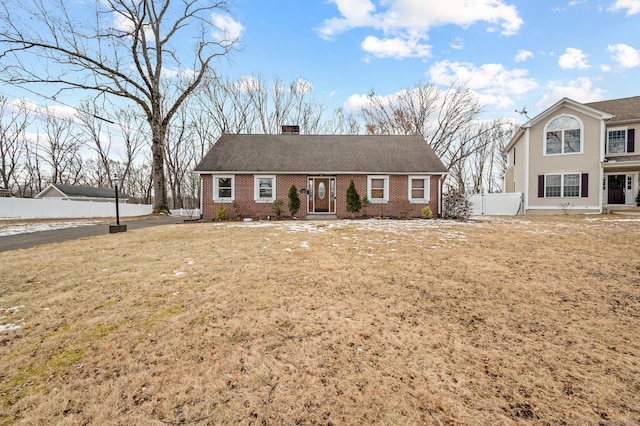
(160, 203)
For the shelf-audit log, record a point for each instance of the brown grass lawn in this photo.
(507, 321)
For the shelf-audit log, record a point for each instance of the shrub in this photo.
(354, 204)
(277, 207)
(294, 200)
(222, 212)
(456, 205)
(426, 213)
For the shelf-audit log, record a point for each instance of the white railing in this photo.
(496, 204)
(55, 208)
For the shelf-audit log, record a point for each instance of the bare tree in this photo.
(448, 120)
(134, 50)
(14, 120)
(59, 149)
(252, 105)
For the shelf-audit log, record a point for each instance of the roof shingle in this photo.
(315, 154)
(623, 109)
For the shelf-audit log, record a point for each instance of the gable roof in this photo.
(315, 154)
(624, 109)
(74, 191)
(588, 109)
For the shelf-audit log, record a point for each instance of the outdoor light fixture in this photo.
(117, 227)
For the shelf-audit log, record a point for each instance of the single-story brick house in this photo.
(400, 175)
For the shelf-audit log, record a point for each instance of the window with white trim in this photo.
(563, 136)
(378, 189)
(617, 141)
(419, 189)
(264, 189)
(562, 185)
(223, 188)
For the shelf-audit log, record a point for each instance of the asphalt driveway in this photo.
(33, 239)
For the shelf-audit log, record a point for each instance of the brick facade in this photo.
(244, 205)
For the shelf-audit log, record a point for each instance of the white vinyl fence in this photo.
(55, 208)
(496, 204)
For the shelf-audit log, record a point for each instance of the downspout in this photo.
(526, 170)
(440, 196)
(201, 200)
(603, 133)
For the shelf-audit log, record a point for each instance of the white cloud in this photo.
(354, 103)
(227, 30)
(631, 6)
(395, 47)
(493, 83)
(457, 44)
(573, 59)
(404, 23)
(523, 55)
(248, 83)
(580, 90)
(624, 55)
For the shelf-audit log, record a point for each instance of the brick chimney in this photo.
(290, 130)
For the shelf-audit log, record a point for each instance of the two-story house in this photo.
(576, 157)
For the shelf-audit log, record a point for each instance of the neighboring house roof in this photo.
(623, 109)
(74, 191)
(321, 154)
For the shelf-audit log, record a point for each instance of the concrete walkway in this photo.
(33, 239)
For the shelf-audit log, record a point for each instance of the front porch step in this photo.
(321, 217)
(624, 210)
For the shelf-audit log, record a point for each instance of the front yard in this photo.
(501, 321)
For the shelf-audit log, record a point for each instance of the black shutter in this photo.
(585, 185)
(631, 140)
(541, 186)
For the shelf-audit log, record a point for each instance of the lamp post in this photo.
(116, 181)
(117, 227)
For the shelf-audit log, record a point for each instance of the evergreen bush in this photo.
(354, 204)
(294, 200)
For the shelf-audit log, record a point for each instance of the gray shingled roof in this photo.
(85, 191)
(313, 154)
(623, 109)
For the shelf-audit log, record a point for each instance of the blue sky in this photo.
(511, 53)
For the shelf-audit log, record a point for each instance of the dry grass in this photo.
(378, 322)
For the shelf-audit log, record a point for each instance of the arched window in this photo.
(563, 136)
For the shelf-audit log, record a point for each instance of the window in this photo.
(264, 189)
(617, 141)
(620, 140)
(563, 136)
(553, 186)
(565, 185)
(223, 188)
(378, 189)
(419, 189)
(571, 185)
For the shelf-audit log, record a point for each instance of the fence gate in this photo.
(509, 204)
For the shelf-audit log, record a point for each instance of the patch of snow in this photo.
(8, 327)
(305, 244)
(29, 227)
(14, 309)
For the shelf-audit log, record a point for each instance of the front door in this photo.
(321, 195)
(616, 185)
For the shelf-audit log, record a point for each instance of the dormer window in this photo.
(563, 136)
